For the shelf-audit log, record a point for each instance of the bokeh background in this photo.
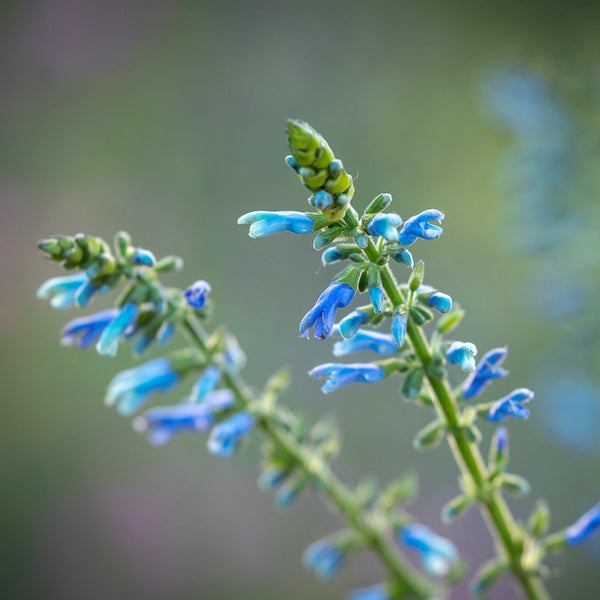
(166, 119)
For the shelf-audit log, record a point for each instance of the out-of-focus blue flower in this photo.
(166, 332)
(584, 527)
(440, 301)
(404, 257)
(131, 388)
(289, 491)
(374, 592)
(164, 422)
(510, 406)
(399, 329)
(109, 338)
(500, 440)
(420, 226)
(264, 223)
(350, 324)
(437, 553)
(271, 478)
(385, 225)
(340, 375)
(83, 332)
(365, 339)
(207, 382)
(144, 257)
(226, 436)
(235, 358)
(323, 558)
(462, 354)
(197, 294)
(487, 370)
(62, 291)
(376, 295)
(322, 314)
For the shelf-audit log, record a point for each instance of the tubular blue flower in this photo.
(365, 339)
(404, 257)
(420, 226)
(166, 332)
(322, 314)
(62, 291)
(226, 436)
(323, 558)
(271, 478)
(399, 329)
(263, 223)
(437, 553)
(374, 592)
(584, 527)
(197, 293)
(376, 295)
(290, 490)
(109, 338)
(131, 388)
(340, 375)
(164, 422)
(235, 359)
(487, 370)
(385, 225)
(510, 406)
(206, 383)
(441, 302)
(350, 324)
(83, 332)
(500, 440)
(462, 354)
(144, 257)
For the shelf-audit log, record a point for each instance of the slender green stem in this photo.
(404, 576)
(494, 509)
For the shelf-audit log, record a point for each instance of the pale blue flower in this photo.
(197, 294)
(340, 375)
(399, 329)
(322, 314)
(206, 383)
(420, 226)
(374, 592)
(440, 301)
(263, 223)
(131, 388)
(462, 354)
(366, 339)
(85, 331)
(404, 257)
(62, 291)
(226, 436)
(511, 406)
(377, 298)
(350, 324)
(109, 338)
(289, 491)
(144, 257)
(272, 477)
(486, 371)
(438, 554)
(584, 527)
(500, 440)
(235, 358)
(385, 225)
(323, 558)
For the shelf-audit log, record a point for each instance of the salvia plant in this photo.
(409, 328)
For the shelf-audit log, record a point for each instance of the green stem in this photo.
(405, 577)
(493, 507)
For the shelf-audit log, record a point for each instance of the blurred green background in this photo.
(166, 119)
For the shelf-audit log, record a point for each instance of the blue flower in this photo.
(109, 338)
(324, 558)
(197, 293)
(510, 406)
(206, 383)
(289, 491)
(365, 339)
(441, 302)
(144, 257)
(385, 225)
(487, 370)
(62, 291)
(340, 375)
(226, 436)
(166, 332)
(322, 314)
(399, 329)
(500, 440)
(462, 354)
(437, 553)
(164, 422)
(272, 477)
(83, 332)
(419, 226)
(235, 359)
(131, 388)
(321, 200)
(331, 255)
(404, 257)
(376, 295)
(584, 527)
(350, 324)
(264, 223)
(374, 592)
